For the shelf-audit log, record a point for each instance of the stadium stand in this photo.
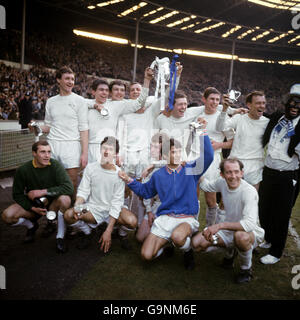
(94, 58)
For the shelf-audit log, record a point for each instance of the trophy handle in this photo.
(153, 63)
(238, 94)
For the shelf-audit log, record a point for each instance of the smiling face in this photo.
(179, 107)
(211, 103)
(66, 83)
(101, 94)
(257, 107)
(292, 109)
(117, 92)
(135, 91)
(42, 156)
(232, 174)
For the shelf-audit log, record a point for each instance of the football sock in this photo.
(211, 216)
(82, 226)
(23, 222)
(61, 228)
(187, 245)
(245, 258)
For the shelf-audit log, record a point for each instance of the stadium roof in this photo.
(268, 29)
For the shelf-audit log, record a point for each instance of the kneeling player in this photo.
(177, 189)
(41, 177)
(240, 228)
(103, 191)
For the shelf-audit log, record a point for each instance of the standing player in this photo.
(211, 99)
(136, 129)
(66, 123)
(249, 129)
(102, 125)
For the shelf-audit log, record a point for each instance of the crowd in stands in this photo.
(95, 58)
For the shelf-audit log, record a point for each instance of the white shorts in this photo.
(253, 170)
(99, 216)
(135, 162)
(66, 152)
(94, 152)
(228, 238)
(164, 225)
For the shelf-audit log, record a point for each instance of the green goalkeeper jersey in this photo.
(29, 177)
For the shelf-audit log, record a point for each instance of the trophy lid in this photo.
(51, 215)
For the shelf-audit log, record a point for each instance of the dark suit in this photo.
(25, 112)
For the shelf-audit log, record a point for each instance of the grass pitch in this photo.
(123, 275)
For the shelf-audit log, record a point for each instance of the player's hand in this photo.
(75, 213)
(124, 176)
(210, 231)
(202, 121)
(83, 160)
(98, 106)
(240, 111)
(179, 68)
(226, 102)
(147, 171)
(36, 194)
(149, 73)
(40, 211)
(216, 145)
(30, 127)
(105, 241)
(167, 112)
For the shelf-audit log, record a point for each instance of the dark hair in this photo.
(168, 144)
(62, 70)
(253, 94)
(118, 83)
(36, 145)
(97, 82)
(232, 160)
(178, 95)
(211, 90)
(112, 141)
(133, 83)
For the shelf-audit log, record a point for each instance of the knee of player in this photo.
(8, 216)
(68, 215)
(64, 202)
(178, 238)
(198, 243)
(146, 254)
(132, 221)
(128, 218)
(242, 240)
